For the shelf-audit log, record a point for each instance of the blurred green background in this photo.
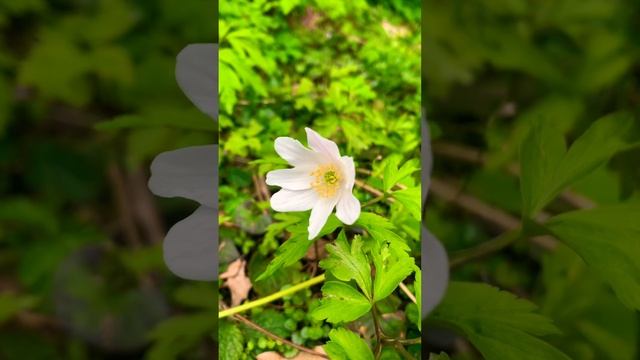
(490, 70)
(87, 98)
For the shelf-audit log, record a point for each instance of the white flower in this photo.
(320, 180)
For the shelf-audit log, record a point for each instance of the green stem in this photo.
(373, 201)
(485, 248)
(270, 298)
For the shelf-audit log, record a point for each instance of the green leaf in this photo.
(547, 168)
(410, 198)
(341, 303)
(381, 229)
(607, 239)
(540, 156)
(392, 266)
(347, 345)
(347, 263)
(296, 247)
(393, 175)
(498, 324)
(230, 339)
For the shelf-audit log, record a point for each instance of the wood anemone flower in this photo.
(320, 181)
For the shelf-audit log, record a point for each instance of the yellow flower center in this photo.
(326, 180)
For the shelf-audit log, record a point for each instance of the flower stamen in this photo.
(326, 180)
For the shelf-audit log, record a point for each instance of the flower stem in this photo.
(271, 298)
(485, 248)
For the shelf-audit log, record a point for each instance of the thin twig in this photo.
(407, 292)
(268, 333)
(475, 156)
(121, 195)
(490, 214)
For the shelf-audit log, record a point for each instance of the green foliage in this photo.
(12, 304)
(296, 247)
(607, 239)
(230, 341)
(341, 302)
(497, 323)
(349, 262)
(547, 168)
(346, 345)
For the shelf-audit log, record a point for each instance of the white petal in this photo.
(349, 169)
(319, 215)
(190, 247)
(322, 145)
(190, 172)
(197, 76)
(294, 152)
(293, 200)
(435, 268)
(290, 179)
(348, 208)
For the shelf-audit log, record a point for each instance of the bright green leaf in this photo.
(341, 303)
(381, 229)
(349, 262)
(393, 265)
(347, 345)
(410, 198)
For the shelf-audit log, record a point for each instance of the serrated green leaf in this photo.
(547, 168)
(410, 198)
(296, 247)
(341, 303)
(498, 324)
(394, 175)
(230, 340)
(607, 239)
(381, 229)
(346, 344)
(392, 266)
(349, 262)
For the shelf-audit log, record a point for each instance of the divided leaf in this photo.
(410, 198)
(498, 324)
(347, 345)
(349, 263)
(608, 239)
(547, 168)
(393, 175)
(392, 266)
(341, 303)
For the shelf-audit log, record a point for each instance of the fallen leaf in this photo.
(394, 31)
(237, 281)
